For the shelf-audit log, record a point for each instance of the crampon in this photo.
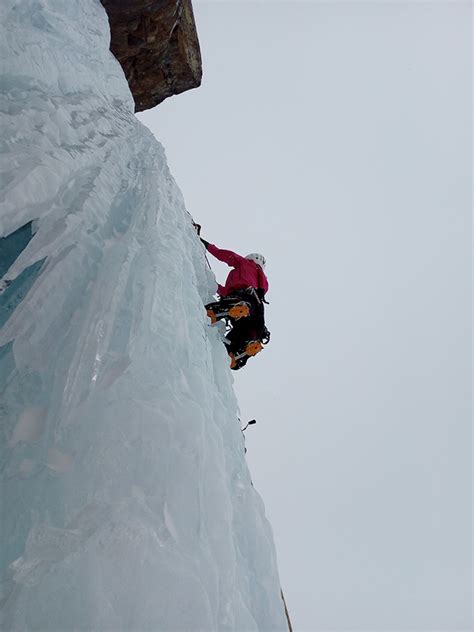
(227, 309)
(239, 359)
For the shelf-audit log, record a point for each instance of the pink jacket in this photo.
(246, 273)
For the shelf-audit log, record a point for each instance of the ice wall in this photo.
(126, 500)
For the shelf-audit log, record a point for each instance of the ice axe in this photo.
(250, 423)
(197, 228)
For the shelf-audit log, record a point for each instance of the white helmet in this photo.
(259, 259)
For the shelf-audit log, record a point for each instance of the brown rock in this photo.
(157, 45)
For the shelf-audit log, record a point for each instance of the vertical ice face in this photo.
(126, 500)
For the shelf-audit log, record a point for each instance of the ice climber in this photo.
(241, 304)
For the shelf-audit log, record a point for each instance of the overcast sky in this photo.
(335, 139)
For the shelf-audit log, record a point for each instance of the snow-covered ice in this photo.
(126, 500)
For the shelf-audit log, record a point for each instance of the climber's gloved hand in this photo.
(206, 243)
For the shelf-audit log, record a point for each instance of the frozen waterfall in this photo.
(126, 499)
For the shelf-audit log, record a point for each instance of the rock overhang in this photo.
(157, 45)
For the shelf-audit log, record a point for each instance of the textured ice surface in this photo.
(126, 500)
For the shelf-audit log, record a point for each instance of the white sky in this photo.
(335, 139)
